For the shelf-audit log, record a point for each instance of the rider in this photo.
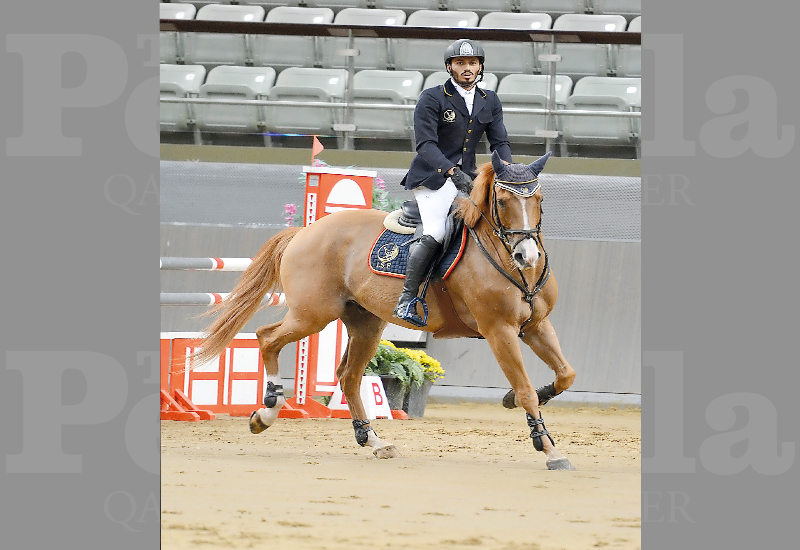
(449, 120)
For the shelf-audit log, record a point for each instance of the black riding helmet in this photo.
(465, 47)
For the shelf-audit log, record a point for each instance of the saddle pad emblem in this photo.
(449, 115)
(385, 254)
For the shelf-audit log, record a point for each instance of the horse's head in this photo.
(508, 196)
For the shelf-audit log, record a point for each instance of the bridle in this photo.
(505, 235)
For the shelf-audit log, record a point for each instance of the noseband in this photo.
(504, 235)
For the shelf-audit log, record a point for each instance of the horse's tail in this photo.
(260, 277)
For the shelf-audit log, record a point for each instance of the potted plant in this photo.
(407, 376)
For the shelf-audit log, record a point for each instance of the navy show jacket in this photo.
(445, 133)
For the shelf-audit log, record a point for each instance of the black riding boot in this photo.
(419, 259)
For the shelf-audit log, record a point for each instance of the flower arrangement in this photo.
(409, 365)
(380, 197)
(291, 215)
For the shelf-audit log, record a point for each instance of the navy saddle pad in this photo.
(389, 254)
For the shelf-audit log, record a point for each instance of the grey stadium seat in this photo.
(229, 82)
(373, 52)
(213, 49)
(579, 60)
(629, 56)
(426, 55)
(603, 94)
(513, 57)
(530, 91)
(179, 81)
(282, 51)
(390, 87)
(306, 84)
(171, 43)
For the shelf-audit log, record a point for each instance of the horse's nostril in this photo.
(519, 258)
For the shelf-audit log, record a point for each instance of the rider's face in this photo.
(464, 70)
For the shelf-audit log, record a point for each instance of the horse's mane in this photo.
(470, 210)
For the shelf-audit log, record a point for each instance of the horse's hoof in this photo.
(560, 464)
(390, 451)
(256, 424)
(508, 400)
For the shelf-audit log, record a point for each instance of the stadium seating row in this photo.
(386, 88)
(629, 8)
(502, 58)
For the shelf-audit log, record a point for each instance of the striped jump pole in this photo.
(204, 264)
(207, 264)
(211, 299)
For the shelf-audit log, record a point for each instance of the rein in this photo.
(503, 235)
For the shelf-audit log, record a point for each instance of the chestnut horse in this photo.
(502, 290)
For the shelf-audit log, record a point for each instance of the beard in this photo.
(464, 83)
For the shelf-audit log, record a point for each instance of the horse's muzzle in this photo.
(525, 254)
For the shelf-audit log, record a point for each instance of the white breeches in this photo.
(434, 206)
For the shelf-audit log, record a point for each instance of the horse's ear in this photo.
(538, 165)
(497, 163)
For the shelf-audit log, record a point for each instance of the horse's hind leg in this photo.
(364, 333)
(272, 339)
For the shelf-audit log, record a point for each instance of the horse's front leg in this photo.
(505, 345)
(543, 341)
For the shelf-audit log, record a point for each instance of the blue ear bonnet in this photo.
(520, 179)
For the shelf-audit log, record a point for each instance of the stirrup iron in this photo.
(411, 311)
